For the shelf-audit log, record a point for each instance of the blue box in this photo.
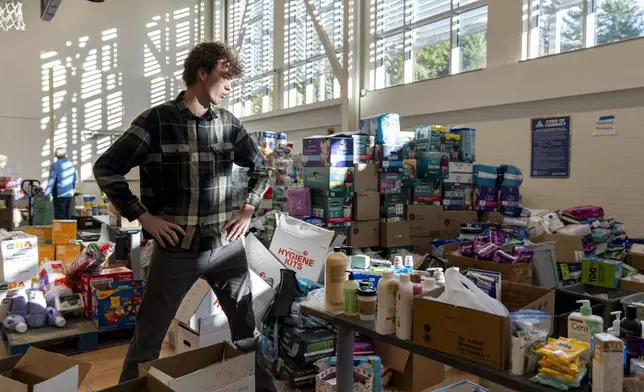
(115, 305)
(432, 165)
(328, 151)
(385, 127)
(468, 143)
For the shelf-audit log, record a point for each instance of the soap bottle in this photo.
(351, 288)
(615, 329)
(386, 318)
(335, 265)
(583, 325)
(404, 307)
(630, 325)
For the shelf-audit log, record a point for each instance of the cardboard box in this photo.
(392, 208)
(329, 181)
(140, 384)
(425, 221)
(64, 231)
(106, 275)
(394, 234)
(493, 217)
(635, 257)
(412, 372)
(366, 206)
(43, 233)
(67, 253)
(568, 249)
(631, 284)
(46, 252)
(602, 273)
(42, 371)
(188, 340)
(262, 262)
(333, 209)
(364, 234)
(518, 273)
(18, 256)
(301, 247)
(366, 178)
(475, 336)
(116, 304)
(328, 151)
(212, 368)
(422, 245)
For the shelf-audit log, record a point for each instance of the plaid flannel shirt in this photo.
(185, 170)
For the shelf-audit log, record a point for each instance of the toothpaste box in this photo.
(329, 181)
(384, 127)
(486, 198)
(392, 208)
(333, 209)
(390, 183)
(457, 196)
(363, 148)
(328, 151)
(430, 138)
(428, 192)
(432, 165)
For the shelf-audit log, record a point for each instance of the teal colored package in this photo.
(468, 144)
(485, 175)
(385, 127)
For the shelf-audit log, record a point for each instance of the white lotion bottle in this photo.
(386, 318)
(404, 307)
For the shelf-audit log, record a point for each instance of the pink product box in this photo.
(299, 202)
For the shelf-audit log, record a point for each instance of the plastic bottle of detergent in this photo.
(387, 290)
(404, 307)
(37, 310)
(583, 325)
(335, 266)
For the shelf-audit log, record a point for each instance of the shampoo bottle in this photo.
(630, 325)
(404, 307)
(386, 318)
(351, 288)
(583, 325)
(615, 329)
(335, 265)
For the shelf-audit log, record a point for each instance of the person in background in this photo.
(3, 163)
(186, 148)
(61, 184)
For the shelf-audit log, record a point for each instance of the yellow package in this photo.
(556, 374)
(563, 350)
(572, 369)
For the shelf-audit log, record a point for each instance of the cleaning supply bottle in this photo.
(335, 265)
(429, 284)
(417, 281)
(630, 325)
(15, 322)
(351, 288)
(36, 310)
(409, 264)
(583, 325)
(438, 274)
(404, 307)
(18, 304)
(54, 318)
(615, 329)
(399, 267)
(386, 317)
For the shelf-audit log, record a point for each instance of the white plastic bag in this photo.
(461, 291)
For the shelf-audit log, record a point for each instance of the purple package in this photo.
(525, 255)
(504, 258)
(328, 151)
(299, 202)
(510, 197)
(498, 237)
(486, 198)
(486, 252)
(363, 347)
(467, 249)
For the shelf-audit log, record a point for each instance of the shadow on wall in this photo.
(91, 82)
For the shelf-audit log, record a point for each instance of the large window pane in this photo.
(472, 39)
(616, 20)
(430, 50)
(252, 96)
(560, 26)
(390, 15)
(390, 61)
(423, 9)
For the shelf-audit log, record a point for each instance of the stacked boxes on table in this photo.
(46, 249)
(66, 247)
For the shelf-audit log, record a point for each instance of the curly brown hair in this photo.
(205, 56)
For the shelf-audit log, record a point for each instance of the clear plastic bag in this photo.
(530, 330)
(461, 291)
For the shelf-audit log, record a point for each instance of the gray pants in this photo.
(172, 274)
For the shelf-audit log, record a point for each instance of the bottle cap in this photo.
(585, 310)
(398, 261)
(429, 282)
(367, 292)
(409, 261)
(415, 278)
(351, 276)
(631, 312)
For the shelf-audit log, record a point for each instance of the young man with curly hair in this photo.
(185, 149)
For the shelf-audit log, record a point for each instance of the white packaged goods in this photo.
(18, 256)
(301, 247)
(262, 262)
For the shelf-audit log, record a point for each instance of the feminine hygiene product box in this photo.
(403, 147)
(385, 127)
(468, 143)
(453, 146)
(333, 209)
(363, 148)
(392, 208)
(601, 272)
(432, 165)
(430, 138)
(329, 181)
(486, 198)
(46, 252)
(299, 201)
(116, 304)
(409, 172)
(429, 192)
(18, 256)
(457, 196)
(106, 275)
(328, 151)
(390, 183)
(510, 201)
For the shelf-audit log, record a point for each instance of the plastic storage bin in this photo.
(544, 267)
(634, 300)
(610, 298)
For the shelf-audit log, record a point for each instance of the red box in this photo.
(107, 275)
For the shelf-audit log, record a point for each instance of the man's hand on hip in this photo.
(161, 229)
(237, 226)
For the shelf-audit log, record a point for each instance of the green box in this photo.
(392, 208)
(329, 181)
(428, 192)
(601, 272)
(409, 172)
(333, 209)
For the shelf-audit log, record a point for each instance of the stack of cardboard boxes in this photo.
(365, 229)
(64, 238)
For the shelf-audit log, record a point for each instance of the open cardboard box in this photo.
(635, 257)
(568, 249)
(412, 372)
(518, 273)
(141, 384)
(214, 368)
(631, 284)
(473, 335)
(41, 371)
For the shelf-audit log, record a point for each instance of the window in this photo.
(558, 26)
(415, 40)
(308, 76)
(250, 31)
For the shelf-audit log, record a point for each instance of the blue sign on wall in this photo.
(550, 147)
